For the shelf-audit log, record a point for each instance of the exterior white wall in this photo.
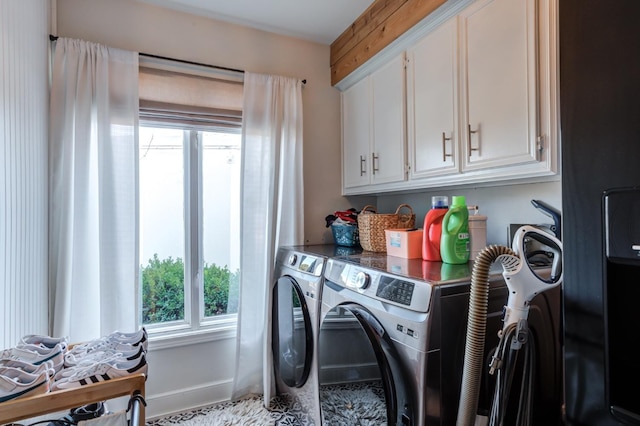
(24, 111)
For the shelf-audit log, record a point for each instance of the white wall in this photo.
(24, 111)
(501, 204)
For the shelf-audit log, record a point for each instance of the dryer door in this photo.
(362, 380)
(292, 340)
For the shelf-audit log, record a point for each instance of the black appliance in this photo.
(621, 210)
(599, 53)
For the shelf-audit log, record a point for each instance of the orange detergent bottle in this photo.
(433, 228)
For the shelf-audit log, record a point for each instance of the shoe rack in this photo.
(51, 402)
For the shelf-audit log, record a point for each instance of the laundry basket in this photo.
(371, 226)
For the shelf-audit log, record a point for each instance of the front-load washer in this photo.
(391, 342)
(295, 318)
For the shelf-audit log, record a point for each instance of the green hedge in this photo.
(163, 290)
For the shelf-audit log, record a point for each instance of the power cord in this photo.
(504, 362)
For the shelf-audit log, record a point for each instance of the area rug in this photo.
(360, 404)
(249, 412)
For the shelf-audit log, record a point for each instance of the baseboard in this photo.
(180, 400)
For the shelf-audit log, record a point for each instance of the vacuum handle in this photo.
(552, 213)
(551, 243)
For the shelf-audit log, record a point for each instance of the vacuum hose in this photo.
(476, 329)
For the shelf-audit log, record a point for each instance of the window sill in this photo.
(177, 338)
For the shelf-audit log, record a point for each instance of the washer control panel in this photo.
(302, 262)
(400, 291)
(395, 289)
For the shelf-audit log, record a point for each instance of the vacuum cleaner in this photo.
(525, 279)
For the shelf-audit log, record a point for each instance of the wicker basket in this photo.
(371, 226)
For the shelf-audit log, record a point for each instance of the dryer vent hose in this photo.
(476, 330)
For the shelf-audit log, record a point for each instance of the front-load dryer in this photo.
(372, 346)
(295, 318)
(392, 338)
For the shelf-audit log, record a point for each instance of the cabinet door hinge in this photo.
(407, 168)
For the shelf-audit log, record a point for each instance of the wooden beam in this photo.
(370, 19)
(382, 23)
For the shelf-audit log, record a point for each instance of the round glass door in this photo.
(292, 333)
(352, 388)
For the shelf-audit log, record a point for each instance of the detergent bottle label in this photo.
(455, 243)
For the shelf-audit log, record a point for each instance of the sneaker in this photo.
(116, 341)
(44, 341)
(98, 354)
(84, 413)
(26, 366)
(101, 372)
(98, 357)
(136, 338)
(88, 412)
(15, 383)
(35, 355)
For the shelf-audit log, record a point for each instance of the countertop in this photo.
(437, 273)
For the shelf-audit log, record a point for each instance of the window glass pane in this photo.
(221, 221)
(162, 224)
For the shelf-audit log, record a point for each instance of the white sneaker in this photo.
(35, 355)
(115, 341)
(26, 366)
(97, 355)
(135, 338)
(93, 358)
(15, 383)
(101, 372)
(44, 341)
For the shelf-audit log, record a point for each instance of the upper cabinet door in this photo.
(356, 134)
(388, 151)
(373, 129)
(432, 79)
(498, 45)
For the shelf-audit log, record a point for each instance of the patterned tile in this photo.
(345, 405)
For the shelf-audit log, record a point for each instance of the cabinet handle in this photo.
(374, 158)
(363, 165)
(444, 148)
(471, 132)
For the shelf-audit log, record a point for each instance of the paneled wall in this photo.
(24, 106)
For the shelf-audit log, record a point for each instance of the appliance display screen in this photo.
(307, 264)
(395, 290)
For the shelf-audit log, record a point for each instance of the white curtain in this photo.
(272, 215)
(93, 190)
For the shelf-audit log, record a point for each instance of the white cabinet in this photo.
(432, 97)
(356, 134)
(481, 104)
(498, 84)
(373, 128)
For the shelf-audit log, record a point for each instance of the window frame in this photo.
(210, 113)
(195, 327)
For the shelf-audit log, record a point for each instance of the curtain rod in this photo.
(54, 38)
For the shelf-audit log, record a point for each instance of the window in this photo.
(189, 186)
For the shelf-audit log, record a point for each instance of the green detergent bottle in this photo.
(454, 243)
